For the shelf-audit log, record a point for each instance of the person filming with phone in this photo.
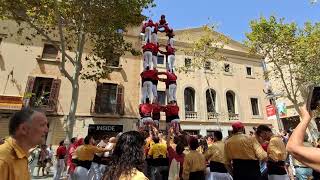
(309, 156)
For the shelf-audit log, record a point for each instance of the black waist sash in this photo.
(61, 156)
(156, 116)
(147, 79)
(217, 167)
(85, 164)
(155, 82)
(246, 169)
(170, 118)
(276, 168)
(172, 82)
(198, 175)
(159, 162)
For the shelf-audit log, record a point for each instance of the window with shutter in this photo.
(109, 98)
(97, 107)
(49, 52)
(28, 92)
(41, 93)
(54, 94)
(120, 99)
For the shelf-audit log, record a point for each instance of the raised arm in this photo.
(309, 156)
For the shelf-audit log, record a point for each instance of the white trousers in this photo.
(219, 176)
(154, 61)
(147, 91)
(147, 59)
(59, 169)
(167, 94)
(154, 38)
(94, 172)
(172, 92)
(171, 60)
(170, 42)
(81, 173)
(147, 37)
(145, 121)
(278, 177)
(154, 92)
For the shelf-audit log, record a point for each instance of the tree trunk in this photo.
(212, 102)
(73, 108)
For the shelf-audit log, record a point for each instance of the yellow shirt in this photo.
(149, 143)
(241, 146)
(13, 161)
(135, 175)
(158, 149)
(277, 149)
(216, 152)
(193, 161)
(86, 152)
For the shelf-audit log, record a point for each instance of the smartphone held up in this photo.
(313, 102)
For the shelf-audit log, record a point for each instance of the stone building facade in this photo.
(111, 105)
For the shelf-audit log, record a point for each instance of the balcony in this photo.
(190, 115)
(212, 115)
(233, 117)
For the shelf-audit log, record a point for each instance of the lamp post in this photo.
(272, 97)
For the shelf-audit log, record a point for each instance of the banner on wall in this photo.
(282, 109)
(10, 102)
(271, 112)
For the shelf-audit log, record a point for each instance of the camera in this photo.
(314, 98)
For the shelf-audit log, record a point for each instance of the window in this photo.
(230, 101)
(162, 97)
(160, 59)
(187, 62)
(49, 52)
(210, 93)
(207, 65)
(189, 99)
(114, 61)
(109, 98)
(249, 71)
(255, 106)
(226, 67)
(42, 93)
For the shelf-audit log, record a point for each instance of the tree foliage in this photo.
(292, 53)
(75, 27)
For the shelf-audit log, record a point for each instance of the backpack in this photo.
(174, 170)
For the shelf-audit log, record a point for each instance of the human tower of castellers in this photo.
(150, 112)
(173, 154)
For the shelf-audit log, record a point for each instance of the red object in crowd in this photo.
(172, 154)
(171, 77)
(148, 47)
(145, 109)
(163, 20)
(147, 24)
(71, 150)
(156, 28)
(156, 108)
(61, 151)
(170, 50)
(155, 49)
(149, 74)
(265, 146)
(237, 125)
(171, 110)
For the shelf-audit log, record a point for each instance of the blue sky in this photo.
(232, 17)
